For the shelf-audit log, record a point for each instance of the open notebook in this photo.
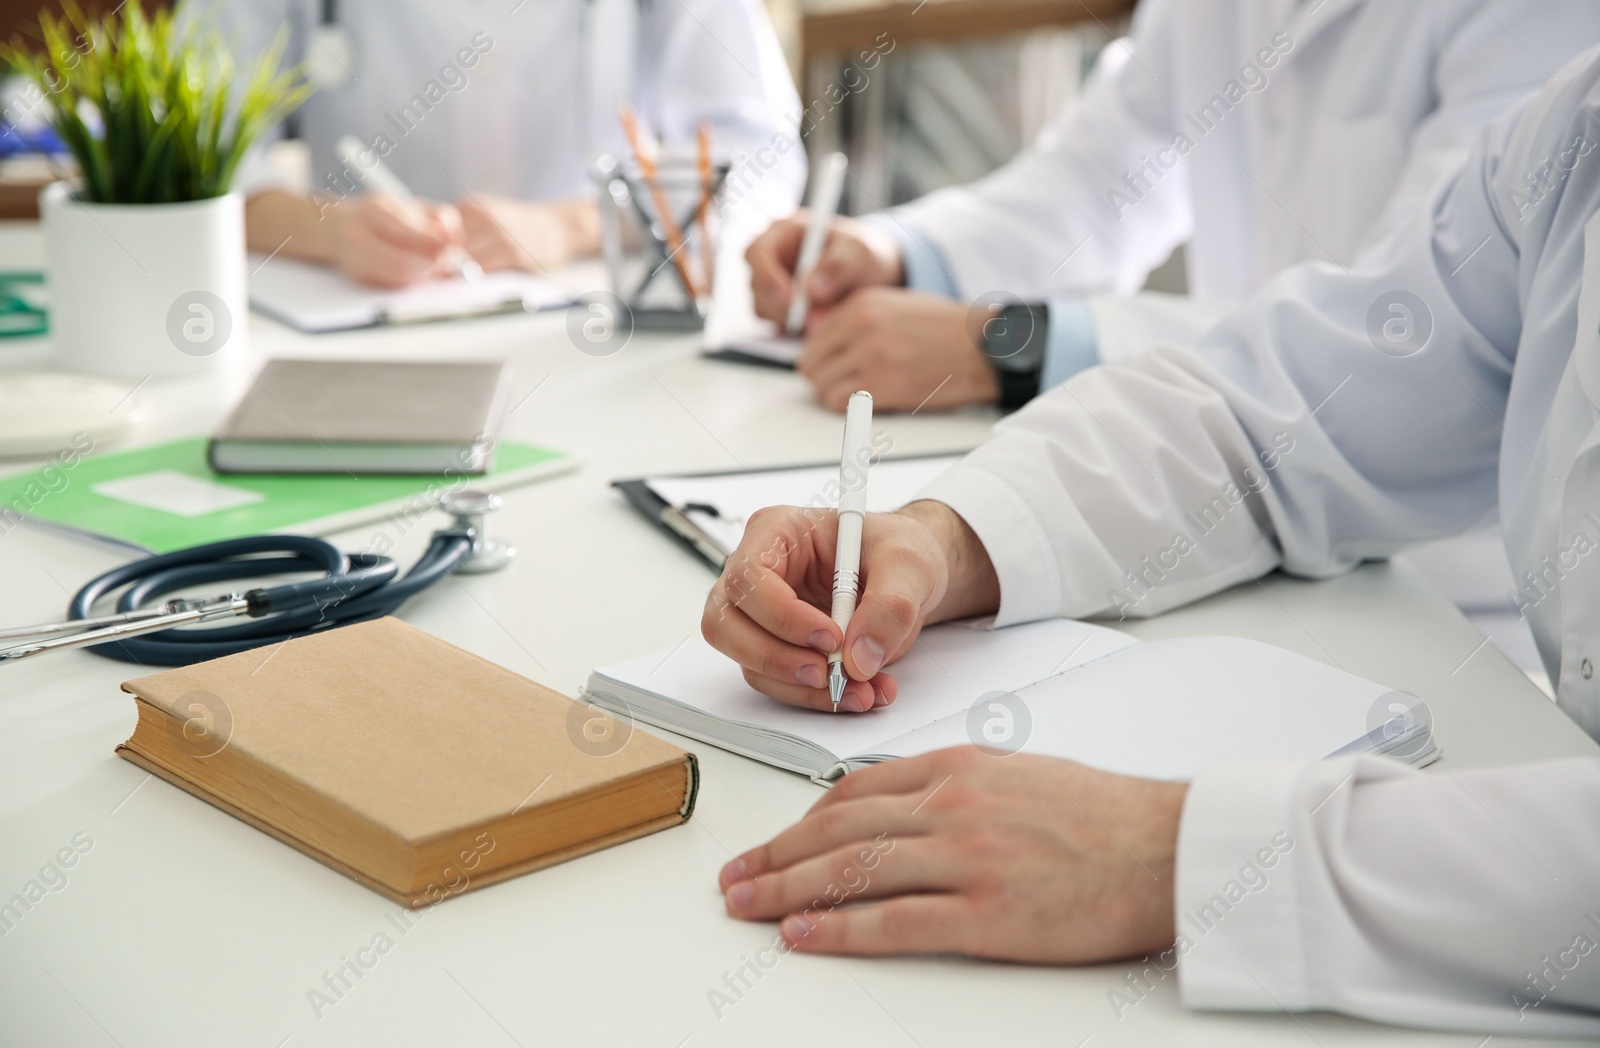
(317, 299)
(1068, 689)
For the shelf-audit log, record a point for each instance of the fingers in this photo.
(407, 228)
(759, 651)
(772, 257)
(890, 794)
(899, 587)
(773, 605)
(911, 775)
(779, 637)
(862, 820)
(858, 871)
(828, 338)
(448, 224)
(908, 924)
(835, 381)
(845, 265)
(383, 242)
(859, 696)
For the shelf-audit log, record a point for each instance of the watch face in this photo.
(1014, 337)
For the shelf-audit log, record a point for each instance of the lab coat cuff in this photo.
(1011, 534)
(924, 263)
(1240, 940)
(1070, 346)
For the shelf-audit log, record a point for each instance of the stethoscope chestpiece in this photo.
(471, 510)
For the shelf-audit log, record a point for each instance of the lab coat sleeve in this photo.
(1491, 56)
(1465, 900)
(1046, 224)
(1304, 431)
(1478, 76)
(249, 28)
(1128, 325)
(719, 62)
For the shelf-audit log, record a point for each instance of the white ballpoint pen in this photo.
(824, 205)
(377, 175)
(853, 462)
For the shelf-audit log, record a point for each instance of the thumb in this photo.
(894, 602)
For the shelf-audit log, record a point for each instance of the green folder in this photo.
(80, 496)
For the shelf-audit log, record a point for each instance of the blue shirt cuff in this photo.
(1070, 346)
(924, 264)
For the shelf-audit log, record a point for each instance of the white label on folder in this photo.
(177, 493)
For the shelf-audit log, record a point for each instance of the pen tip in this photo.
(836, 682)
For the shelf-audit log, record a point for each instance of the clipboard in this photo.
(693, 521)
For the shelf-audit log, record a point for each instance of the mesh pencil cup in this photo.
(659, 237)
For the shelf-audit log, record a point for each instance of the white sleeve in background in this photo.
(1035, 228)
(1466, 900)
(1496, 55)
(719, 61)
(1286, 438)
(1128, 325)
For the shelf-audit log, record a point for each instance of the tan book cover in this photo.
(408, 764)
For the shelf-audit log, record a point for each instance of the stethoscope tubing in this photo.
(351, 588)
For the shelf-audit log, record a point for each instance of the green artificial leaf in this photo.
(152, 111)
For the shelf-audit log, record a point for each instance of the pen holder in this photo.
(659, 238)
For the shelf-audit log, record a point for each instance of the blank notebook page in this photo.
(949, 668)
(1167, 709)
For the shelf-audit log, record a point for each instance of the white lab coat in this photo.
(540, 97)
(1300, 434)
(1365, 105)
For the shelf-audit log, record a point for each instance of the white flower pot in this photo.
(145, 290)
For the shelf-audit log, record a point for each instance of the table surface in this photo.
(181, 925)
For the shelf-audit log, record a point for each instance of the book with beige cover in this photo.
(416, 768)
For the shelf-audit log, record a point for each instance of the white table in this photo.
(184, 926)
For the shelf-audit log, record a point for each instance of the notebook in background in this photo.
(166, 497)
(407, 764)
(777, 351)
(1068, 689)
(365, 416)
(734, 332)
(708, 511)
(316, 298)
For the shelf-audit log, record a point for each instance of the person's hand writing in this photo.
(378, 240)
(907, 349)
(1016, 858)
(856, 254)
(767, 611)
(502, 233)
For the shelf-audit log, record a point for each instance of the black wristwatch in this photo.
(1014, 340)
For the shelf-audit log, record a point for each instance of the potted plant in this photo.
(145, 250)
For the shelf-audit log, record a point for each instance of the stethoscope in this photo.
(351, 588)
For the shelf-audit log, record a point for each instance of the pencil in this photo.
(708, 184)
(644, 153)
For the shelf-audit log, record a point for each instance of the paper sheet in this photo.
(316, 298)
(1167, 709)
(950, 668)
(181, 494)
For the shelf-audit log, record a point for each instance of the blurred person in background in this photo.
(1262, 133)
(492, 115)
